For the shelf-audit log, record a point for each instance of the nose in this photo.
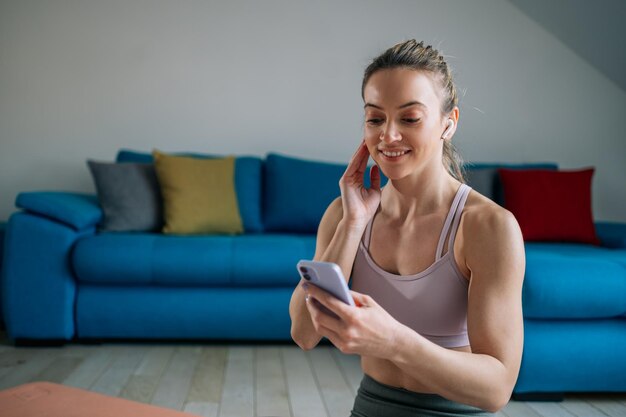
(390, 133)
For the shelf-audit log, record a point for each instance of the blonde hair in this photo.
(413, 55)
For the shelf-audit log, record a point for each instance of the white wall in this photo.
(80, 79)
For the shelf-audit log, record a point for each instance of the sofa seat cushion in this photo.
(574, 281)
(223, 261)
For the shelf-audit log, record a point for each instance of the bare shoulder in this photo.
(485, 219)
(490, 232)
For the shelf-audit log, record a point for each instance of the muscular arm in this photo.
(338, 236)
(485, 377)
(336, 242)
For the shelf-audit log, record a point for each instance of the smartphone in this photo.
(327, 276)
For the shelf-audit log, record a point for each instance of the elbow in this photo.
(303, 342)
(305, 347)
(498, 400)
(501, 389)
(497, 406)
(493, 406)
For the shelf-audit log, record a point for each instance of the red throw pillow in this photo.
(551, 205)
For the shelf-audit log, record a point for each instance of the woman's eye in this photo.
(374, 121)
(411, 120)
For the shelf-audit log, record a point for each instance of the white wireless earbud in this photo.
(449, 128)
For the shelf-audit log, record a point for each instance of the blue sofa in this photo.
(2, 228)
(64, 281)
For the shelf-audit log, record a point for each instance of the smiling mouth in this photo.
(393, 155)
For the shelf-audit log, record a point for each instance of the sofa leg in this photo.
(538, 396)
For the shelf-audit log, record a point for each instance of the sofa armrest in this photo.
(77, 210)
(611, 234)
(38, 283)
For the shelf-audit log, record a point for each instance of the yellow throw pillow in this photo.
(198, 194)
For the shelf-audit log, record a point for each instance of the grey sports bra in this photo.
(432, 302)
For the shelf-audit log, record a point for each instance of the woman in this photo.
(442, 338)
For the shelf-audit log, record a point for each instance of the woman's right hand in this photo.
(359, 203)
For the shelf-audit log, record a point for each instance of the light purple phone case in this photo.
(328, 276)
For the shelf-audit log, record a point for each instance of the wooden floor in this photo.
(234, 380)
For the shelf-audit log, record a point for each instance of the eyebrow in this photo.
(410, 103)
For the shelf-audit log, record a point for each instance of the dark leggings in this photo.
(375, 399)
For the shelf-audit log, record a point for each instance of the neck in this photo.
(427, 191)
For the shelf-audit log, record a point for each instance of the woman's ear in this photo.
(453, 118)
(448, 130)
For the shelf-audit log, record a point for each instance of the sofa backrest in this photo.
(297, 191)
(248, 171)
(288, 194)
(484, 178)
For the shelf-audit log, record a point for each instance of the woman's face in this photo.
(401, 134)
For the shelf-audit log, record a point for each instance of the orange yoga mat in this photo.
(39, 399)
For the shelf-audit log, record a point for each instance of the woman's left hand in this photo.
(364, 330)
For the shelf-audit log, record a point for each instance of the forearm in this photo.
(343, 247)
(302, 329)
(342, 251)
(470, 378)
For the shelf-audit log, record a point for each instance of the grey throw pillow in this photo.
(129, 195)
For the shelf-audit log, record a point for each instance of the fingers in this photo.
(341, 309)
(357, 160)
(331, 335)
(323, 315)
(358, 149)
(375, 177)
(324, 320)
(362, 300)
(363, 162)
(354, 161)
